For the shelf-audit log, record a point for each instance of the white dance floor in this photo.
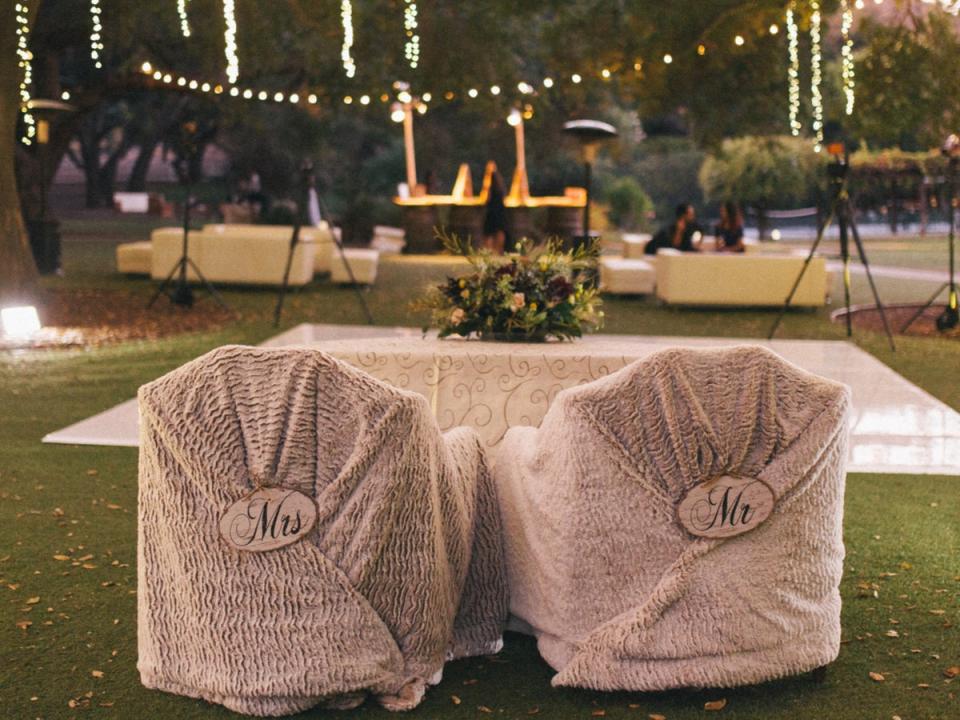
(897, 427)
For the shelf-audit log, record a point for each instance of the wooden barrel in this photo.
(466, 222)
(520, 225)
(565, 223)
(419, 224)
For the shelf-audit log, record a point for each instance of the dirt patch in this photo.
(93, 317)
(867, 317)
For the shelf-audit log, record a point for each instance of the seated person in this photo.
(729, 231)
(682, 234)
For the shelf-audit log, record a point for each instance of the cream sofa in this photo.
(738, 279)
(235, 253)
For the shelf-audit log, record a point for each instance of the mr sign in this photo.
(267, 519)
(726, 507)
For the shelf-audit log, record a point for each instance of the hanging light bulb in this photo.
(96, 27)
(25, 62)
(230, 41)
(515, 117)
(184, 20)
(411, 48)
(793, 70)
(346, 17)
(816, 72)
(846, 56)
(397, 113)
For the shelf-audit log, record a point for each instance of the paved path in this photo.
(932, 276)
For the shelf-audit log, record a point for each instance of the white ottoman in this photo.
(363, 263)
(625, 276)
(388, 240)
(133, 258)
(633, 245)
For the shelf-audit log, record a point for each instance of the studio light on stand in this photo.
(841, 212)
(590, 133)
(950, 317)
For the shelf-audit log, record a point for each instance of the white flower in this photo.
(457, 316)
(518, 300)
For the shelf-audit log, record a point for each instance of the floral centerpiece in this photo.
(531, 295)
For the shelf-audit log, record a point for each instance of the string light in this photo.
(846, 53)
(25, 62)
(816, 72)
(95, 33)
(184, 20)
(230, 41)
(346, 17)
(793, 71)
(411, 49)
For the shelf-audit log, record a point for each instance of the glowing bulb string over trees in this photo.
(523, 87)
(346, 18)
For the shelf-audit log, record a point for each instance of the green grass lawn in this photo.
(902, 533)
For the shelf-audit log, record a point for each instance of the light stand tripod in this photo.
(307, 183)
(950, 317)
(841, 210)
(179, 290)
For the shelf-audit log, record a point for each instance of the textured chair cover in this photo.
(403, 569)
(619, 595)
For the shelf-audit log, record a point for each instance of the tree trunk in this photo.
(137, 182)
(18, 272)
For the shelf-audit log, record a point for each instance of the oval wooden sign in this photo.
(267, 519)
(726, 507)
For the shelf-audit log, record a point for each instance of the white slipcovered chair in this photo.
(403, 569)
(618, 593)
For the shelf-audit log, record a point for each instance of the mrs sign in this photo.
(267, 519)
(726, 506)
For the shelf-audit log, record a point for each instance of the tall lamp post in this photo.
(590, 133)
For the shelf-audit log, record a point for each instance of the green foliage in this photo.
(531, 295)
(629, 205)
(764, 172)
(908, 81)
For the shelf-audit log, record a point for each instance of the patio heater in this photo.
(44, 234)
(950, 317)
(590, 133)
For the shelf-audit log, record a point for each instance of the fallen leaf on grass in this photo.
(97, 673)
(715, 705)
(61, 557)
(654, 716)
(113, 506)
(33, 600)
(906, 566)
(24, 624)
(923, 686)
(455, 700)
(937, 612)
(89, 566)
(952, 672)
(877, 677)
(598, 713)
(533, 711)
(892, 634)
(484, 709)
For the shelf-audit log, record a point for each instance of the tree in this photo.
(19, 272)
(909, 82)
(761, 172)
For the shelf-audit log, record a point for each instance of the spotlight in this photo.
(19, 322)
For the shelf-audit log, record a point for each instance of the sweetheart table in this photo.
(488, 386)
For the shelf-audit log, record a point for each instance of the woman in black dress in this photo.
(729, 231)
(495, 222)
